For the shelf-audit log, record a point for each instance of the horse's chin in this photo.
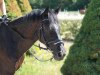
(59, 56)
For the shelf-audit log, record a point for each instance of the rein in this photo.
(41, 48)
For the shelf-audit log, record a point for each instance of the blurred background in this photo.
(70, 18)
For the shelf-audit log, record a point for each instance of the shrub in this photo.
(24, 6)
(69, 29)
(12, 8)
(84, 55)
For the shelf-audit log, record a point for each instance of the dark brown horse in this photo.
(22, 33)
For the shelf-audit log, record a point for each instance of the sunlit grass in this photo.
(32, 66)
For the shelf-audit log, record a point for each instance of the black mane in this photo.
(28, 18)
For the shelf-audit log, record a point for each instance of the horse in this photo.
(20, 34)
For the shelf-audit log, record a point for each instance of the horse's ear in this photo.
(45, 12)
(57, 10)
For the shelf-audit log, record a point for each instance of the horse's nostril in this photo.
(59, 54)
(64, 54)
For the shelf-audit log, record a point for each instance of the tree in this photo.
(49, 3)
(13, 9)
(16, 8)
(24, 6)
(79, 4)
(84, 54)
(66, 4)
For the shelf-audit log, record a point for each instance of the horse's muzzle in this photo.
(61, 54)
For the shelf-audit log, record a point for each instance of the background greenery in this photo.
(17, 8)
(65, 4)
(69, 28)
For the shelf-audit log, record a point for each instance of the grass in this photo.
(32, 66)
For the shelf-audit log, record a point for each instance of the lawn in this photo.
(32, 66)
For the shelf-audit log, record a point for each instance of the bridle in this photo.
(42, 35)
(47, 43)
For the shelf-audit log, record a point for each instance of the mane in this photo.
(26, 19)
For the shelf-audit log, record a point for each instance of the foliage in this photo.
(24, 6)
(69, 29)
(79, 4)
(49, 3)
(13, 9)
(16, 8)
(84, 55)
(65, 4)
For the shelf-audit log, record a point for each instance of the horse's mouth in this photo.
(59, 56)
(59, 52)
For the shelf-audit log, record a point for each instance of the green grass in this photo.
(32, 66)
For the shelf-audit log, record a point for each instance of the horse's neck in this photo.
(25, 28)
(26, 32)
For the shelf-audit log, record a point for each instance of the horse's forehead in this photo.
(54, 24)
(52, 17)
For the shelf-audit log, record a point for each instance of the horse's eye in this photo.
(47, 22)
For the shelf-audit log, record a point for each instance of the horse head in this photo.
(50, 33)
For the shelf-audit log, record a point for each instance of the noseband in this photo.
(43, 34)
